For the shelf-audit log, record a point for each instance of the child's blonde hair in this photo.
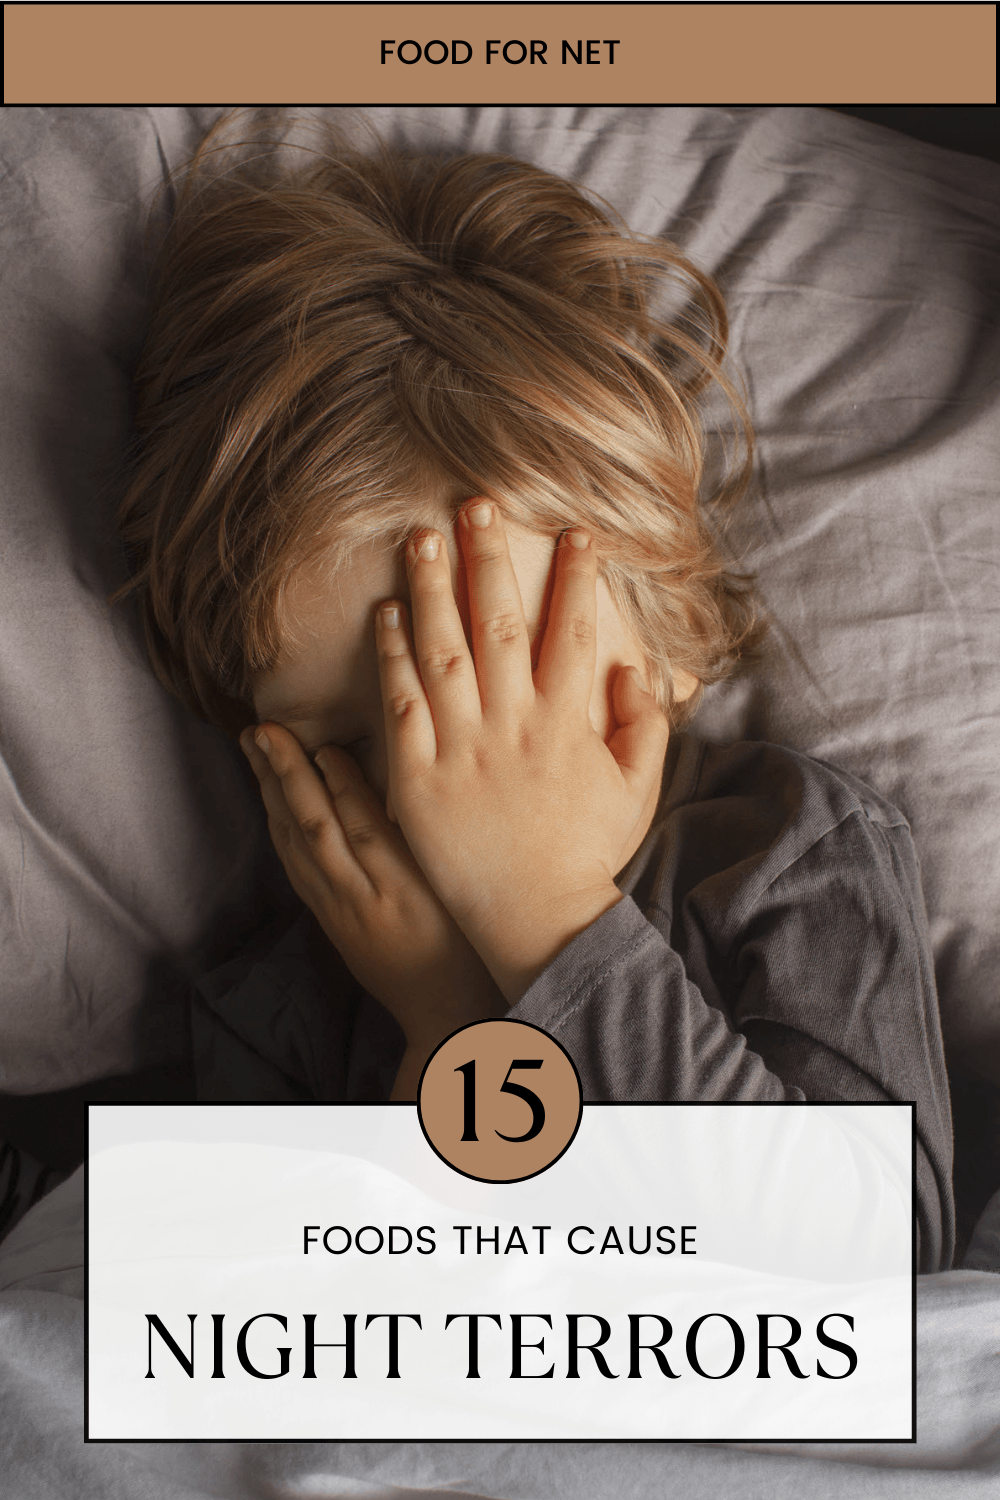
(343, 349)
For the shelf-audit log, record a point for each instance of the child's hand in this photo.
(352, 868)
(515, 808)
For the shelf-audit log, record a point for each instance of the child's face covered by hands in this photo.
(560, 769)
(325, 689)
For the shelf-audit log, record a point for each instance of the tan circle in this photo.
(512, 1087)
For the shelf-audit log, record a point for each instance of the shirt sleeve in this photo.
(290, 1023)
(23, 1181)
(619, 1000)
(823, 987)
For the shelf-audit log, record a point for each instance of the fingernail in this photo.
(263, 741)
(578, 539)
(480, 515)
(425, 548)
(246, 742)
(389, 616)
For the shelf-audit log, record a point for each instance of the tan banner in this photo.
(485, 54)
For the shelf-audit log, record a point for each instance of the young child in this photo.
(416, 513)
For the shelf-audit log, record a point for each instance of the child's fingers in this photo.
(375, 843)
(300, 811)
(499, 633)
(639, 742)
(256, 756)
(410, 733)
(568, 657)
(442, 654)
(348, 855)
(361, 820)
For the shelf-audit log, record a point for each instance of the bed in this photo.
(862, 272)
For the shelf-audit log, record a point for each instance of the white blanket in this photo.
(43, 1456)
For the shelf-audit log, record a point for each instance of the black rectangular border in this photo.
(589, 1104)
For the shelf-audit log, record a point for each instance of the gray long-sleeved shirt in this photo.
(771, 945)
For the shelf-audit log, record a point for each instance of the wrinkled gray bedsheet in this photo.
(862, 273)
